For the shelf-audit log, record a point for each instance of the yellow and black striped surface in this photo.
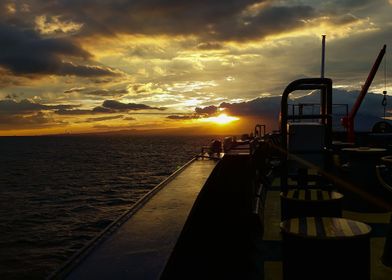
(324, 227)
(311, 194)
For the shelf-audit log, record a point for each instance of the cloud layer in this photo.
(73, 63)
(209, 19)
(9, 106)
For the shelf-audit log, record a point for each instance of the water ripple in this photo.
(56, 193)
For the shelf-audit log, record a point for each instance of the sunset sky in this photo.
(71, 66)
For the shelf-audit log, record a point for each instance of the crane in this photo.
(348, 121)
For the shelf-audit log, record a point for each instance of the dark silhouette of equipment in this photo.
(382, 127)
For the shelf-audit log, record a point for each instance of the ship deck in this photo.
(139, 246)
(201, 223)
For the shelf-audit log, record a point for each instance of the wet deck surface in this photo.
(132, 252)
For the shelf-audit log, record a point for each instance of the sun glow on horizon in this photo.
(221, 119)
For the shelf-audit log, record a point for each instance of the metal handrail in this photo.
(258, 129)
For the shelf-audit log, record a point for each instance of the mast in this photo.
(322, 91)
(323, 56)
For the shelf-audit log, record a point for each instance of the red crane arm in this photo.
(348, 122)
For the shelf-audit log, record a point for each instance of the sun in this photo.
(221, 119)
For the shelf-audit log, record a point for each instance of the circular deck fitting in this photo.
(324, 228)
(340, 144)
(365, 150)
(325, 248)
(310, 202)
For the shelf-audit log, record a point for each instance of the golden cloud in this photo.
(48, 25)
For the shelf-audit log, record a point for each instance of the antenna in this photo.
(384, 100)
(323, 56)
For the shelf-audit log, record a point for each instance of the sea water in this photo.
(57, 193)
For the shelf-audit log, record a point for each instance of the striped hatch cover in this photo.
(311, 194)
(324, 227)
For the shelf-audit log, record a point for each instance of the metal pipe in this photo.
(323, 56)
(323, 93)
(323, 84)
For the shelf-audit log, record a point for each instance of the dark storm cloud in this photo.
(103, 110)
(260, 106)
(10, 106)
(117, 105)
(270, 20)
(209, 110)
(25, 106)
(353, 57)
(79, 112)
(150, 16)
(108, 107)
(24, 51)
(73, 112)
(345, 4)
(209, 19)
(67, 68)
